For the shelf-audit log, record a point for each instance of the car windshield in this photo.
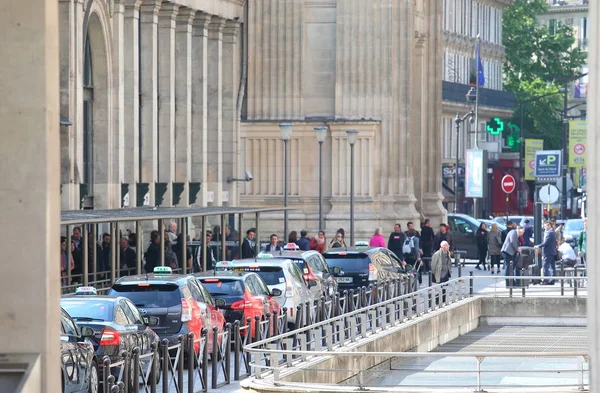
(149, 295)
(223, 286)
(88, 310)
(574, 226)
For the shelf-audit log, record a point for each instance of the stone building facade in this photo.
(151, 89)
(370, 65)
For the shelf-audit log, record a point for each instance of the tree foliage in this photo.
(537, 60)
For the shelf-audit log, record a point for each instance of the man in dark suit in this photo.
(548, 246)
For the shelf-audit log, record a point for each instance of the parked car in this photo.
(571, 231)
(278, 273)
(175, 304)
(244, 295)
(359, 267)
(117, 326)
(463, 229)
(519, 220)
(78, 361)
(314, 267)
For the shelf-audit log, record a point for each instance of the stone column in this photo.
(166, 104)
(149, 92)
(68, 107)
(183, 99)
(593, 122)
(29, 114)
(118, 155)
(231, 82)
(215, 109)
(200, 104)
(131, 40)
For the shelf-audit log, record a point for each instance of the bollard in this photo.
(156, 358)
(164, 349)
(459, 268)
(522, 283)
(191, 361)
(214, 357)
(126, 368)
(236, 350)
(284, 327)
(180, 364)
(227, 354)
(106, 363)
(269, 326)
(350, 301)
(562, 281)
(275, 323)
(471, 284)
(511, 271)
(256, 334)
(136, 370)
(204, 334)
(575, 281)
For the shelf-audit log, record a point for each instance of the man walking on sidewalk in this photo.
(510, 248)
(548, 247)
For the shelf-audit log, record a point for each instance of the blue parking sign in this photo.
(548, 163)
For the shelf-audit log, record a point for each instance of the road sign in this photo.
(508, 184)
(547, 164)
(548, 194)
(559, 183)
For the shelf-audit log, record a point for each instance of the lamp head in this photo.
(286, 131)
(321, 133)
(352, 136)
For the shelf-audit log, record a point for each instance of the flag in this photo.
(480, 73)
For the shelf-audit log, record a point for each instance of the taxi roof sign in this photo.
(361, 243)
(264, 255)
(162, 270)
(86, 291)
(291, 246)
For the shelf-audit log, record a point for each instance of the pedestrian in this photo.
(414, 256)
(304, 241)
(317, 243)
(377, 240)
(274, 244)
(441, 266)
(293, 237)
(210, 256)
(441, 236)
(128, 256)
(411, 225)
(494, 247)
(582, 244)
(567, 255)
(172, 231)
(178, 249)
(66, 261)
(170, 257)
(152, 254)
(396, 241)
(527, 233)
(481, 239)
(249, 244)
(338, 240)
(427, 236)
(509, 250)
(549, 249)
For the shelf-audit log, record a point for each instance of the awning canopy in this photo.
(71, 217)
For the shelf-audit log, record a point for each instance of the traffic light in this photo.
(495, 126)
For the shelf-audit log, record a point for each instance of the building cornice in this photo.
(497, 3)
(466, 45)
(564, 9)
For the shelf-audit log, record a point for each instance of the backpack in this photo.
(408, 246)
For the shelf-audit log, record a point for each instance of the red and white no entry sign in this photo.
(508, 184)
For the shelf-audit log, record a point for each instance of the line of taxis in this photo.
(139, 311)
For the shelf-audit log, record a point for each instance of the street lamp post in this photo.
(321, 132)
(565, 161)
(471, 98)
(286, 135)
(352, 137)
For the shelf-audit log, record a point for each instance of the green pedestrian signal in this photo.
(495, 126)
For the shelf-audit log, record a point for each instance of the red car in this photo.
(244, 295)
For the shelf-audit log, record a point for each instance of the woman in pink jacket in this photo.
(377, 240)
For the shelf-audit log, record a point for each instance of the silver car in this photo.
(278, 273)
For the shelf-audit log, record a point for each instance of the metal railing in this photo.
(288, 351)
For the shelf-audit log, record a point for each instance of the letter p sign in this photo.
(551, 160)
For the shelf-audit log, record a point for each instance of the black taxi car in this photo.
(78, 361)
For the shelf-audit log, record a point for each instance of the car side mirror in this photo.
(220, 302)
(312, 283)
(276, 292)
(87, 331)
(336, 270)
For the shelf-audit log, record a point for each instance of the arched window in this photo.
(88, 118)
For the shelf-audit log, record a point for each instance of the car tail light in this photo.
(110, 337)
(372, 272)
(239, 305)
(186, 311)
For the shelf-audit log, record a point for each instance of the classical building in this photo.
(463, 21)
(370, 65)
(149, 101)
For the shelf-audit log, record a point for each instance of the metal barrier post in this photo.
(191, 360)
(562, 281)
(204, 334)
(471, 284)
(85, 251)
(257, 333)
(113, 255)
(236, 350)
(511, 282)
(106, 375)
(215, 356)
(479, 361)
(161, 230)
(94, 254)
(180, 364)
(459, 266)
(275, 323)
(410, 284)
(138, 245)
(155, 358)
(431, 277)
(575, 281)
(227, 354)
(164, 346)
(223, 239)
(522, 283)
(184, 246)
(70, 257)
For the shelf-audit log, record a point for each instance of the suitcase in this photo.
(536, 270)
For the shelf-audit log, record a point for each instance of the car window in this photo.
(194, 292)
(300, 264)
(251, 285)
(78, 309)
(261, 284)
(295, 272)
(138, 319)
(223, 286)
(350, 262)
(272, 275)
(323, 263)
(206, 295)
(149, 295)
(68, 325)
(315, 263)
(462, 226)
(121, 317)
(574, 226)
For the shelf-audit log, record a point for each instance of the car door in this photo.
(253, 285)
(216, 317)
(129, 335)
(74, 361)
(463, 234)
(67, 362)
(145, 335)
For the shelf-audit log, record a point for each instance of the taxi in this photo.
(277, 272)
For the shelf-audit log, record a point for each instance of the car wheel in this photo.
(93, 381)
